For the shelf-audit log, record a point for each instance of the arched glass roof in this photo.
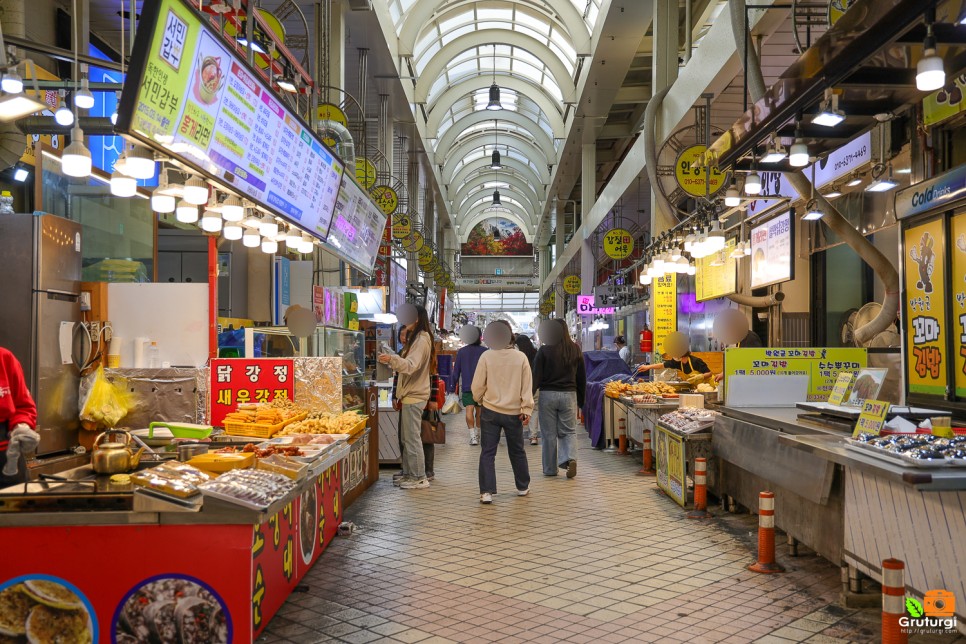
(511, 101)
(398, 9)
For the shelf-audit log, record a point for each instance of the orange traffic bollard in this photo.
(622, 436)
(893, 602)
(700, 510)
(647, 467)
(766, 535)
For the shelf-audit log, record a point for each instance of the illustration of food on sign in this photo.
(925, 258)
(209, 79)
(40, 610)
(171, 609)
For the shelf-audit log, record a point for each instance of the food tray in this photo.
(257, 430)
(896, 459)
(219, 463)
(236, 501)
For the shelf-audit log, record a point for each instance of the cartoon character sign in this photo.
(925, 257)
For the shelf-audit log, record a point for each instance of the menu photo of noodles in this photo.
(172, 609)
(41, 608)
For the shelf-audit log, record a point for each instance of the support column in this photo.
(588, 196)
(330, 48)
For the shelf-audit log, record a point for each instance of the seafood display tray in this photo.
(899, 459)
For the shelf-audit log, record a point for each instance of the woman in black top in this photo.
(558, 373)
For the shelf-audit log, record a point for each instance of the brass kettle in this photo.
(111, 456)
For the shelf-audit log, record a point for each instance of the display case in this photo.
(350, 346)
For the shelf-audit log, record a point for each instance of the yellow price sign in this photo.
(693, 177)
(425, 255)
(872, 418)
(571, 284)
(365, 172)
(841, 388)
(618, 243)
(402, 226)
(386, 198)
(330, 112)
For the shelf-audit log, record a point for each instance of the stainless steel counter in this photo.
(781, 419)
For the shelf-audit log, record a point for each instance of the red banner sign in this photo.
(236, 381)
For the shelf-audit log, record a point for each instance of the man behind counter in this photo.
(18, 417)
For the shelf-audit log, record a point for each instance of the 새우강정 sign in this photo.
(236, 381)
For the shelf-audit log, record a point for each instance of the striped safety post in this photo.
(893, 601)
(766, 535)
(622, 436)
(647, 466)
(700, 510)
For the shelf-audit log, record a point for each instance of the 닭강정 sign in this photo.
(236, 381)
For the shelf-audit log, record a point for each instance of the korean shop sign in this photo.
(237, 381)
(925, 308)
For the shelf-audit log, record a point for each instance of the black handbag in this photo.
(432, 429)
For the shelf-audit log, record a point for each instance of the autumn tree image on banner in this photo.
(496, 236)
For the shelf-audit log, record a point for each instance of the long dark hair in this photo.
(569, 349)
(422, 324)
(526, 346)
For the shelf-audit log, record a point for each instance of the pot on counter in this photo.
(112, 453)
(187, 451)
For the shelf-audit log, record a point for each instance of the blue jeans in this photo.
(558, 428)
(491, 424)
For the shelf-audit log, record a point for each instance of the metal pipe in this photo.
(758, 302)
(345, 147)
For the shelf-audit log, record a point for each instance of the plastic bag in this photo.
(452, 404)
(105, 405)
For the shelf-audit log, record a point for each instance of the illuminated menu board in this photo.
(772, 245)
(357, 227)
(190, 94)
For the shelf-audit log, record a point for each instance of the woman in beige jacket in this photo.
(414, 366)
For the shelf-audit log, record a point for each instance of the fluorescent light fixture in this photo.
(798, 155)
(243, 40)
(251, 239)
(775, 152)
(15, 106)
(753, 184)
(20, 174)
(186, 213)
(123, 185)
(232, 209)
(11, 82)
(494, 103)
(833, 194)
(211, 222)
(930, 70)
(882, 185)
(692, 269)
(268, 227)
(64, 116)
(814, 213)
(83, 97)
(269, 246)
(76, 160)
(830, 114)
(232, 232)
(732, 196)
(196, 191)
(854, 182)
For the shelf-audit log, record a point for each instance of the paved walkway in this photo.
(601, 558)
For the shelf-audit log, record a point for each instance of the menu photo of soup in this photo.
(208, 78)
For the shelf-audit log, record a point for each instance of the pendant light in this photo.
(63, 115)
(76, 160)
(753, 179)
(232, 209)
(163, 198)
(308, 245)
(930, 71)
(140, 163)
(798, 153)
(186, 213)
(495, 162)
(813, 211)
(122, 185)
(196, 190)
(232, 231)
(293, 239)
(211, 221)
(251, 239)
(775, 152)
(83, 98)
(268, 227)
(269, 246)
(732, 196)
(12, 83)
(494, 103)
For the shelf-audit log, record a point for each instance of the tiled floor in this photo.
(602, 558)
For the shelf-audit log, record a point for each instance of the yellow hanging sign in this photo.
(664, 290)
(571, 285)
(365, 172)
(925, 314)
(402, 226)
(386, 198)
(693, 177)
(618, 243)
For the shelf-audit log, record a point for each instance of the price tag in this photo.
(872, 418)
(841, 388)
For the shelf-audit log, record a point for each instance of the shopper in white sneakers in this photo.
(413, 365)
(466, 360)
(503, 386)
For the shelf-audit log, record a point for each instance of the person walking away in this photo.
(18, 420)
(622, 349)
(466, 360)
(559, 375)
(503, 386)
(525, 345)
(413, 365)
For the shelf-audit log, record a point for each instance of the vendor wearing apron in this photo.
(18, 417)
(677, 347)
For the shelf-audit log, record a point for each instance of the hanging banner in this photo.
(665, 292)
(925, 314)
(958, 284)
(618, 243)
(571, 284)
(716, 281)
(693, 178)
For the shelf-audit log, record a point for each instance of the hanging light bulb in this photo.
(494, 103)
(676, 253)
(117, 95)
(753, 183)
(185, 212)
(269, 246)
(232, 209)
(252, 220)
(496, 198)
(64, 116)
(658, 264)
(716, 239)
(12, 83)
(83, 98)
(308, 245)
(645, 278)
(681, 264)
(732, 196)
(139, 163)
(798, 153)
(211, 221)
(293, 238)
(268, 227)
(930, 70)
(196, 190)
(495, 160)
(163, 198)
(251, 239)
(692, 269)
(76, 160)
(123, 185)
(232, 231)
(689, 243)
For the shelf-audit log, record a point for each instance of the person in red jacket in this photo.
(18, 418)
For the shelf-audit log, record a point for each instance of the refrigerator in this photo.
(40, 265)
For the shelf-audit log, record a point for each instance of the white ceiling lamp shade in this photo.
(196, 190)
(269, 246)
(689, 242)
(232, 209)
(676, 253)
(308, 245)
(268, 227)
(738, 251)
(211, 221)
(645, 279)
(716, 239)
(753, 184)
(798, 153)
(11, 83)
(139, 162)
(63, 114)
(829, 115)
(251, 238)
(293, 239)
(123, 185)
(692, 269)
(732, 196)
(287, 83)
(164, 197)
(251, 220)
(232, 231)
(930, 70)
(681, 265)
(775, 152)
(83, 98)
(76, 160)
(186, 213)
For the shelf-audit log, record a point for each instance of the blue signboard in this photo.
(932, 194)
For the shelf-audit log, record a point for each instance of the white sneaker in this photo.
(411, 484)
(474, 440)
(525, 492)
(486, 497)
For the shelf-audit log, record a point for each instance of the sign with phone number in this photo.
(237, 381)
